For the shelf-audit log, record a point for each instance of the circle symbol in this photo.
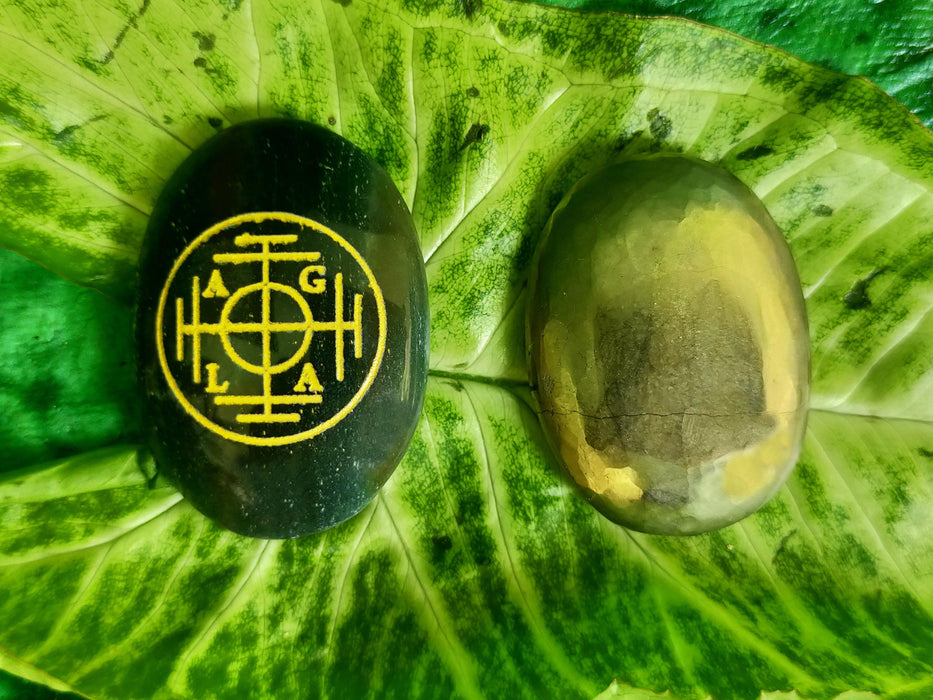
(293, 278)
(266, 327)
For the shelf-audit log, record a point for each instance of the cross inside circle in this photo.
(266, 327)
(282, 403)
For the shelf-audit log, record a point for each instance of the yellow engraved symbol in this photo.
(315, 286)
(266, 327)
(268, 406)
(308, 380)
(215, 287)
(212, 386)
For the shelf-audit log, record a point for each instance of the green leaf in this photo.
(66, 366)
(482, 569)
(623, 691)
(478, 572)
(887, 41)
(626, 692)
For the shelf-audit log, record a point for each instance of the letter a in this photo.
(308, 381)
(215, 287)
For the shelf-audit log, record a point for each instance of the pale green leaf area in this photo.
(623, 691)
(482, 570)
(888, 41)
(478, 572)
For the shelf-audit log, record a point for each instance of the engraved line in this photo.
(338, 320)
(331, 326)
(246, 239)
(249, 327)
(195, 320)
(236, 258)
(358, 326)
(258, 327)
(267, 393)
(266, 315)
(179, 329)
(259, 217)
(242, 240)
(264, 256)
(268, 418)
(246, 400)
(213, 328)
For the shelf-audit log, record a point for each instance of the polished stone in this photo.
(282, 328)
(667, 338)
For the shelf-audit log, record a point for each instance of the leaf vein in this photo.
(876, 535)
(456, 658)
(854, 243)
(223, 610)
(892, 346)
(75, 74)
(529, 608)
(513, 159)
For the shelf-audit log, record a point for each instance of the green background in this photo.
(888, 41)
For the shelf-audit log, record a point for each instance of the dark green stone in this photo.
(282, 328)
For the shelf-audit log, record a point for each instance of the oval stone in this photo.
(668, 342)
(281, 328)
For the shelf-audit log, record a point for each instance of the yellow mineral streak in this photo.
(751, 471)
(620, 486)
(740, 248)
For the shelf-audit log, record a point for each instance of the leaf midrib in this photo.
(522, 391)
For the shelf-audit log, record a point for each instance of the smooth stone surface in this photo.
(282, 328)
(667, 338)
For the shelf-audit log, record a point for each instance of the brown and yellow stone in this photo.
(667, 337)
